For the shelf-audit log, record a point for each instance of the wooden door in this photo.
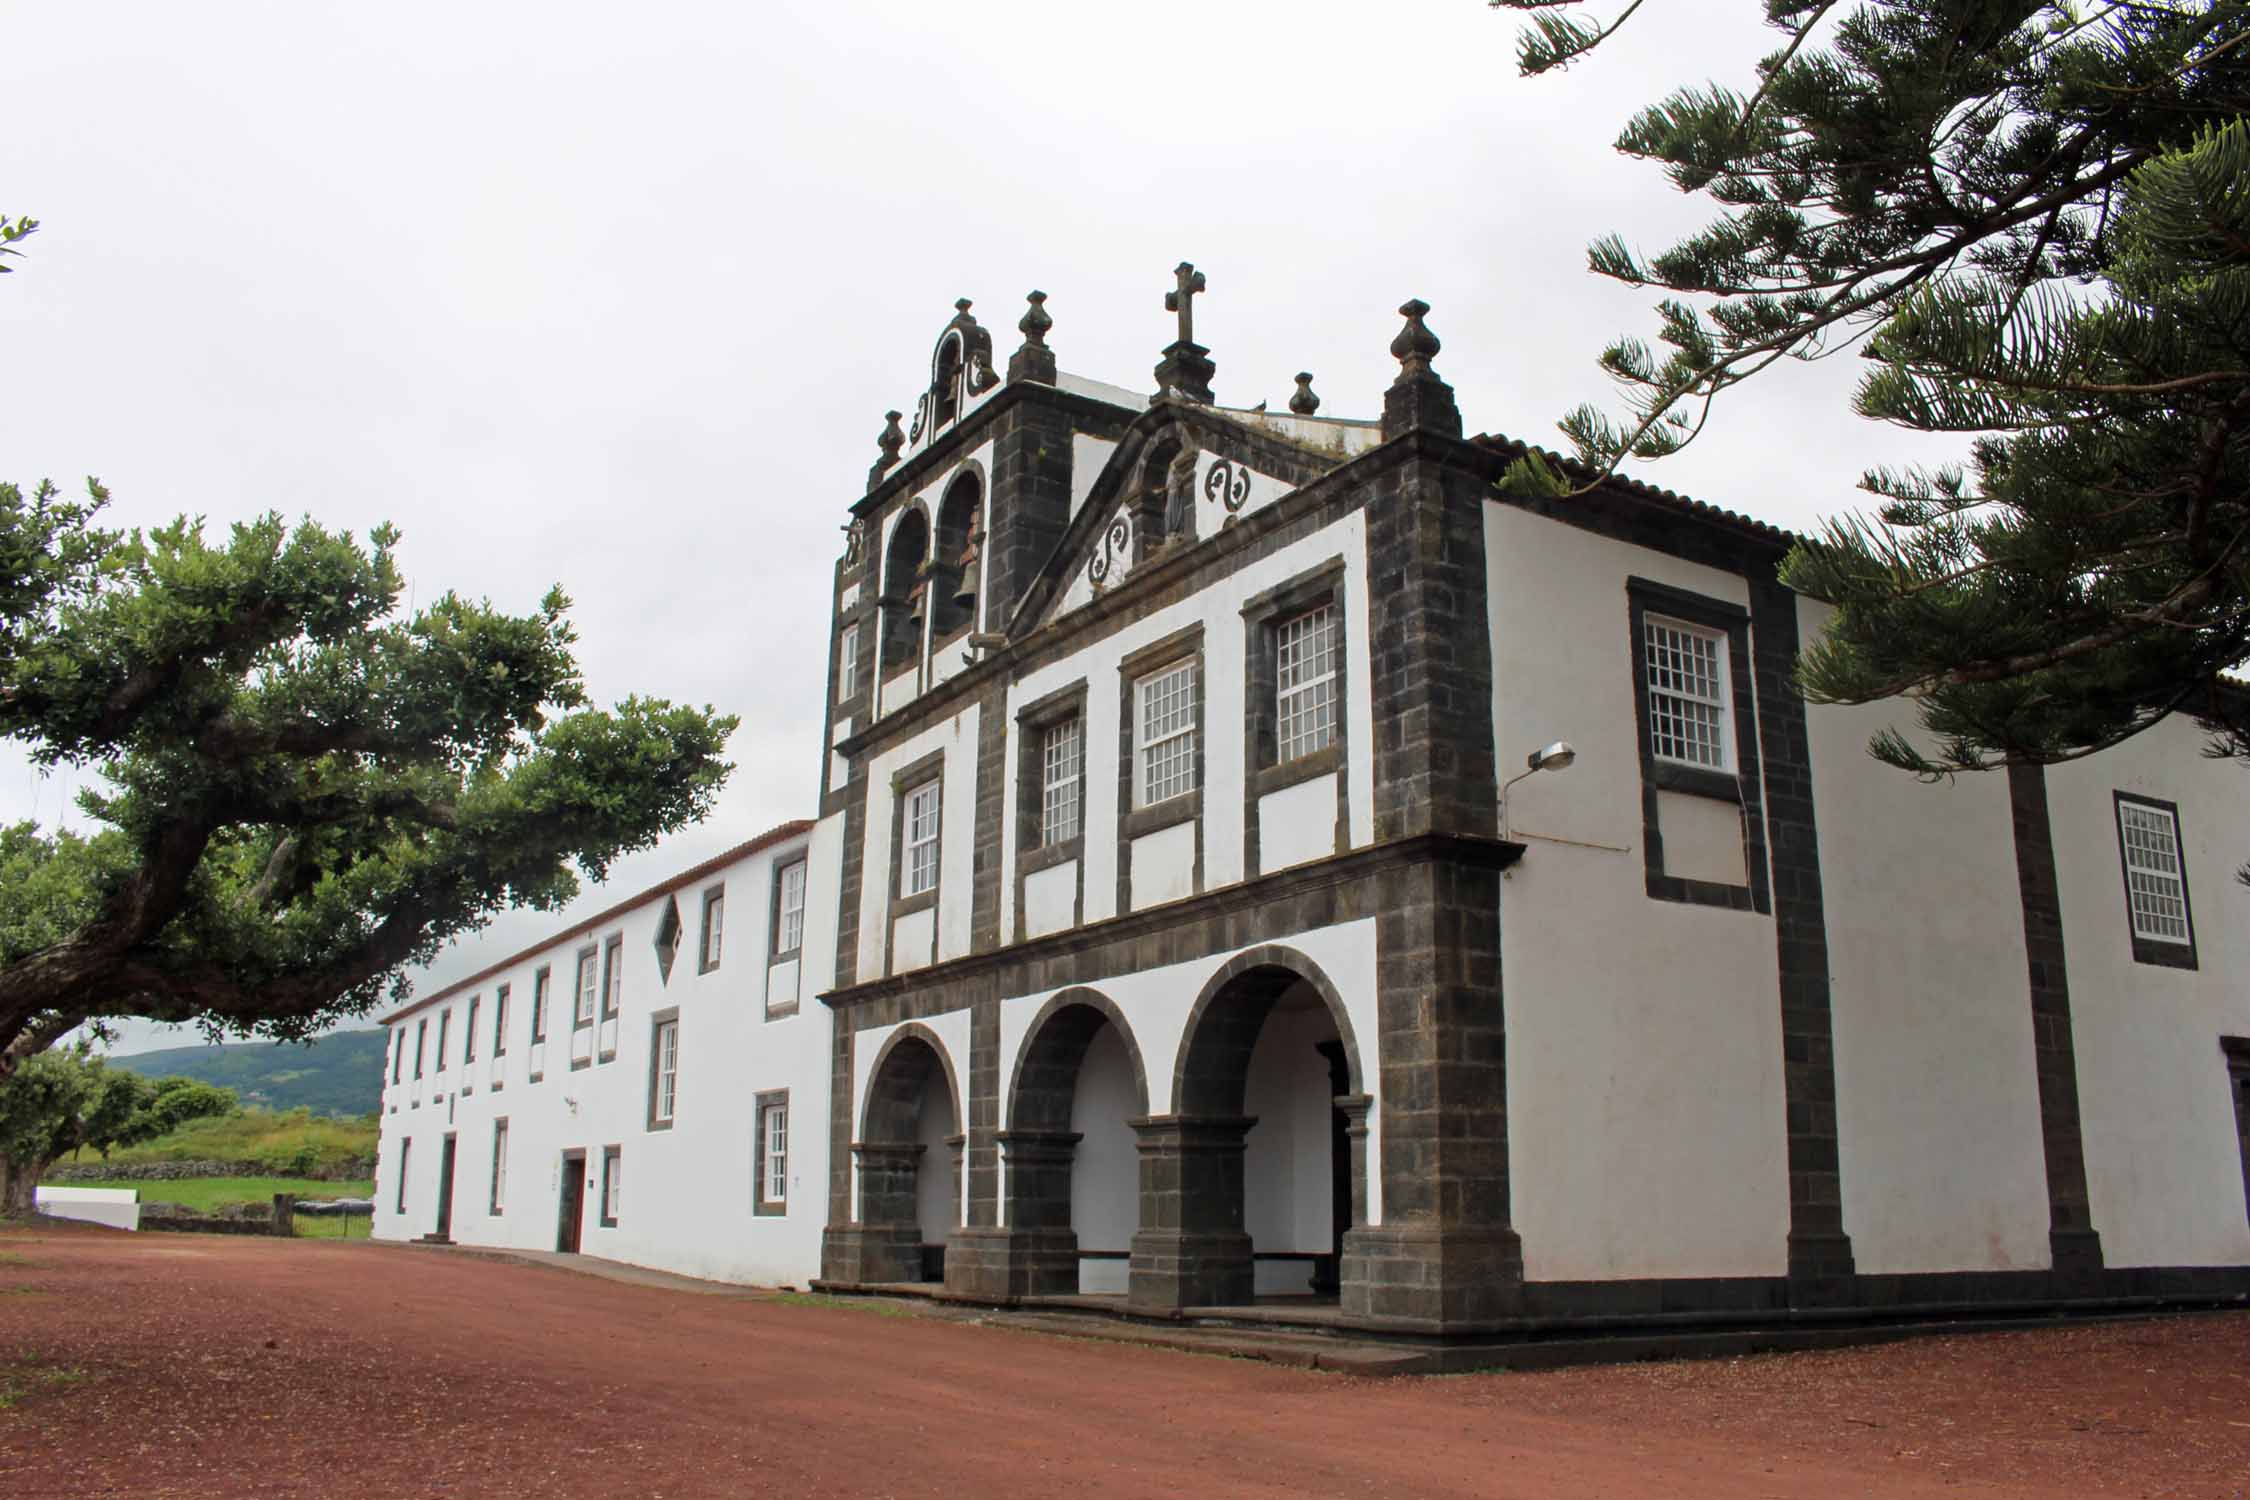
(445, 1190)
(573, 1217)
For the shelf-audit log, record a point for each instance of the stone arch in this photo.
(960, 521)
(948, 367)
(903, 591)
(1054, 1045)
(1215, 1049)
(895, 1084)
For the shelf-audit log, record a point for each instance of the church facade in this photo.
(1255, 859)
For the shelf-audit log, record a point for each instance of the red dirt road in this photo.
(215, 1367)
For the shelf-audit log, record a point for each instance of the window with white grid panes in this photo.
(1687, 694)
(714, 928)
(469, 1031)
(667, 1084)
(1164, 738)
(540, 982)
(775, 1186)
(586, 981)
(444, 1031)
(500, 1022)
(847, 663)
(919, 871)
(789, 913)
(1305, 683)
(1062, 781)
(2154, 881)
(613, 977)
(499, 1166)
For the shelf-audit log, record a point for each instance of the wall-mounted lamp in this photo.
(1552, 758)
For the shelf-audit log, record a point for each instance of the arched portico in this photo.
(1066, 1150)
(1268, 1028)
(906, 1163)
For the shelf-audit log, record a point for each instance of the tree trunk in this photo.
(17, 1180)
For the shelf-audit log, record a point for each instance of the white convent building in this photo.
(1181, 923)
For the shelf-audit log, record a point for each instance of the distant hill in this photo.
(340, 1074)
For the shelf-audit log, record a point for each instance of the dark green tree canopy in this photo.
(2033, 219)
(67, 1100)
(302, 789)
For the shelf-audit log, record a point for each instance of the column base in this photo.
(1005, 1265)
(1821, 1268)
(1174, 1268)
(2076, 1252)
(871, 1254)
(1434, 1278)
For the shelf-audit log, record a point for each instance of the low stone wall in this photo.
(277, 1218)
(182, 1171)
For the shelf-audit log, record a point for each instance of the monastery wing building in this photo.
(1258, 861)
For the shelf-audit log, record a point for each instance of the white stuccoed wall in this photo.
(686, 1201)
(957, 737)
(1937, 1090)
(2163, 1170)
(1644, 1050)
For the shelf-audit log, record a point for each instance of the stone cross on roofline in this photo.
(1186, 369)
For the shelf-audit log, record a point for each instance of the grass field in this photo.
(205, 1194)
(291, 1142)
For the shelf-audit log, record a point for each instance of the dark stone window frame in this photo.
(1263, 773)
(444, 1034)
(502, 996)
(421, 1040)
(469, 1029)
(2236, 1050)
(776, 954)
(613, 1174)
(542, 1012)
(923, 771)
(1741, 786)
(669, 1016)
(761, 1205)
(1033, 721)
(713, 896)
(590, 953)
(1138, 822)
(613, 983)
(405, 1156)
(398, 1055)
(494, 1207)
(2156, 951)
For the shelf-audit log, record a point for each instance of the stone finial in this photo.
(1034, 361)
(893, 439)
(1418, 399)
(1304, 403)
(1186, 368)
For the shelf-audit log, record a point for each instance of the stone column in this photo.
(885, 1243)
(1036, 1253)
(1190, 1250)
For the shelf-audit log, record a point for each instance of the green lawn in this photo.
(207, 1193)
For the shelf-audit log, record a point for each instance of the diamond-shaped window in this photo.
(668, 938)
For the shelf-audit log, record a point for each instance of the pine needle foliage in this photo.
(2033, 220)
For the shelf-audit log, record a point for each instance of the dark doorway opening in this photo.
(445, 1188)
(571, 1218)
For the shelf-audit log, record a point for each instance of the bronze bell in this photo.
(965, 589)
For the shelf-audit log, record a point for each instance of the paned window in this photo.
(1062, 781)
(789, 917)
(444, 1030)
(613, 977)
(398, 1055)
(405, 1149)
(499, 1165)
(540, 982)
(666, 1084)
(2155, 883)
(500, 1022)
(847, 664)
(1165, 741)
(1687, 694)
(714, 928)
(776, 1185)
(613, 1183)
(586, 982)
(1305, 683)
(920, 871)
(469, 1030)
(421, 1039)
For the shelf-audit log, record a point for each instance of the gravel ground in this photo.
(245, 1367)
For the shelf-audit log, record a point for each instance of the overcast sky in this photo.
(617, 296)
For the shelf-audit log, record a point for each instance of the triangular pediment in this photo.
(1179, 462)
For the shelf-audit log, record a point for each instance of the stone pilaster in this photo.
(1190, 1250)
(1036, 1254)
